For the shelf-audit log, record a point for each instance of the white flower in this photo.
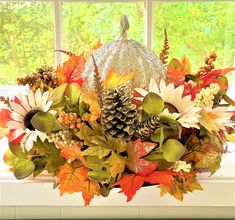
(21, 114)
(181, 166)
(187, 113)
(215, 119)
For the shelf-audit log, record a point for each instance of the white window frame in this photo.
(9, 187)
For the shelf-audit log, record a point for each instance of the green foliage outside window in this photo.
(194, 29)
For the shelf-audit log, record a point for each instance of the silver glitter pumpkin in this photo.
(125, 55)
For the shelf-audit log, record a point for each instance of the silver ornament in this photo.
(125, 55)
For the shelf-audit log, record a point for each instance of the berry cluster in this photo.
(70, 120)
(63, 138)
(206, 95)
(209, 64)
(181, 165)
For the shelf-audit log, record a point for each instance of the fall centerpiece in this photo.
(114, 134)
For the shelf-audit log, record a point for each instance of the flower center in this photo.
(28, 117)
(171, 108)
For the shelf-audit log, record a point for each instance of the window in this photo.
(31, 30)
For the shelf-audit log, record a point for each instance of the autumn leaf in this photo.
(70, 178)
(176, 70)
(97, 151)
(72, 152)
(136, 152)
(133, 182)
(91, 99)
(93, 49)
(5, 116)
(71, 70)
(89, 189)
(113, 79)
(116, 164)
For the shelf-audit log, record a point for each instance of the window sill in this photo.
(218, 191)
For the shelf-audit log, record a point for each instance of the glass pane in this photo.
(26, 38)
(196, 29)
(85, 23)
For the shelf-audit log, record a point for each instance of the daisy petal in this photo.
(45, 99)
(17, 133)
(17, 117)
(38, 98)
(41, 135)
(29, 142)
(15, 125)
(18, 108)
(25, 103)
(47, 106)
(32, 100)
(141, 91)
(153, 87)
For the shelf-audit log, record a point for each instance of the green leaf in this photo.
(23, 168)
(163, 164)
(173, 124)
(173, 150)
(45, 122)
(153, 104)
(97, 151)
(17, 150)
(99, 176)
(154, 157)
(162, 133)
(10, 158)
(95, 163)
(73, 93)
(57, 94)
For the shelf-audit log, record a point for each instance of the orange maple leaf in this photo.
(176, 70)
(72, 180)
(89, 189)
(133, 182)
(72, 152)
(93, 49)
(91, 98)
(71, 70)
(113, 79)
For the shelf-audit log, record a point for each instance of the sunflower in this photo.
(215, 119)
(175, 104)
(22, 110)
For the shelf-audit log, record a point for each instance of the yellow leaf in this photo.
(117, 164)
(163, 189)
(230, 138)
(91, 99)
(113, 79)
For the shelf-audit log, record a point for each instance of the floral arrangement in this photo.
(117, 134)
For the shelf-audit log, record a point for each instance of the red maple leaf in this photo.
(133, 182)
(71, 70)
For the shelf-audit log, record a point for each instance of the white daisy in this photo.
(21, 114)
(175, 103)
(215, 119)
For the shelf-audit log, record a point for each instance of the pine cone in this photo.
(44, 76)
(147, 127)
(119, 115)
